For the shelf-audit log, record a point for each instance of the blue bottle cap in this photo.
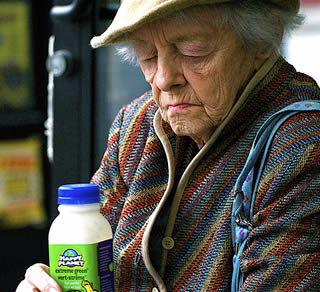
(76, 194)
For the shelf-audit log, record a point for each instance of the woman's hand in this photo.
(37, 279)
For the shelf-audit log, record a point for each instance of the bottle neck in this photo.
(79, 208)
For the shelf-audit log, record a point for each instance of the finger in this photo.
(38, 276)
(25, 286)
(44, 267)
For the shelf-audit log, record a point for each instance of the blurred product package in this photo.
(16, 74)
(21, 183)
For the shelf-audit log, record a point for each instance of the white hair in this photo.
(257, 23)
(127, 54)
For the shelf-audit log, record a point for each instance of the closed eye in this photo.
(195, 49)
(194, 59)
(147, 60)
(150, 58)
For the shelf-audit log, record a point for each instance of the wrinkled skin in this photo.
(196, 72)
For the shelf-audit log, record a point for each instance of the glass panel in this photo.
(117, 84)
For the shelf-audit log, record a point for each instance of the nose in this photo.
(169, 73)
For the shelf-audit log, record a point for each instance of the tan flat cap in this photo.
(132, 14)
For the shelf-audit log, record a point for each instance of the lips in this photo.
(180, 106)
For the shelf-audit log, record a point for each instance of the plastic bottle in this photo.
(80, 241)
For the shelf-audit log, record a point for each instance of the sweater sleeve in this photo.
(108, 177)
(283, 249)
(130, 128)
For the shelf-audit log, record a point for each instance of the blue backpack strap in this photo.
(246, 185)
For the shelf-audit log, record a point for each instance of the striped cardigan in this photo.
(146, 164)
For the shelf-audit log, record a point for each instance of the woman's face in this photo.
(196, 72)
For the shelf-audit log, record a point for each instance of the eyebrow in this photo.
(179, 38)
(137, 41)
(191, 37)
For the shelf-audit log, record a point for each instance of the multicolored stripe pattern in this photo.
(283, 252)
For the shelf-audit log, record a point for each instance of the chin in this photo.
(182, 129)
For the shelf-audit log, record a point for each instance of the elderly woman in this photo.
(175, 153)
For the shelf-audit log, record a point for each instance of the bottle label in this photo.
(82, 267)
